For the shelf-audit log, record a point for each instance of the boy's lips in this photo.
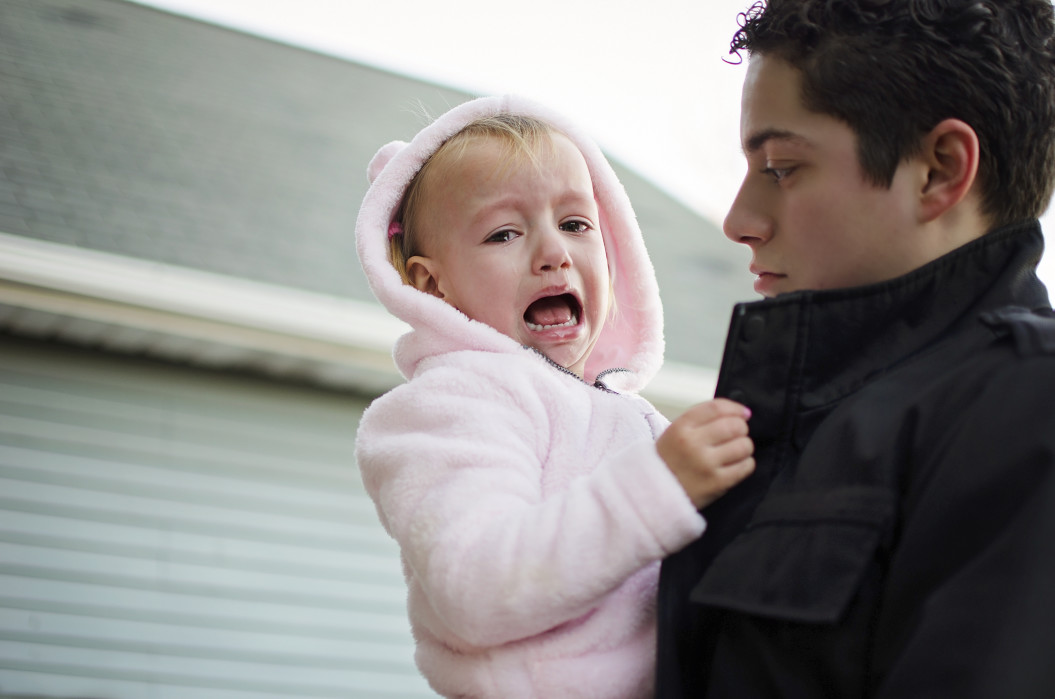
(765, 279)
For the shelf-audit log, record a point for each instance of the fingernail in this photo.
(747, 413)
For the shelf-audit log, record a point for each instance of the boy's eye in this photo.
(778, 173)
(502, 236)
(575, 226)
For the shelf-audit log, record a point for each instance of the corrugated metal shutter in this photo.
(173, 533)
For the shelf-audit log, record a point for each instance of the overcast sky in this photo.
(647, 79)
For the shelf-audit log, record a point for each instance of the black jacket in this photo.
(898, 536)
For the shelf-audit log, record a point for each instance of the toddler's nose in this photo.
(551, 251)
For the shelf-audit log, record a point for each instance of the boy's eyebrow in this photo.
(759, 139)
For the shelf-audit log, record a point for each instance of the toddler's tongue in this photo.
(551, 310)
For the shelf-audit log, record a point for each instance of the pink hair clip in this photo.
(395, 228)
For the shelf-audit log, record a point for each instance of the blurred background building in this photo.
(186, 343)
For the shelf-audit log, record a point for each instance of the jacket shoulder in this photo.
(1032, 332)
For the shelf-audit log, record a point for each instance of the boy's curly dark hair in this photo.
(893, 69)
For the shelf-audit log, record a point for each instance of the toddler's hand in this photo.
(708, 450)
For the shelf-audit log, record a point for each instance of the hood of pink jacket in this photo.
(632, 338)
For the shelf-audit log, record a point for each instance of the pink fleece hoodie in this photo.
(530, 507)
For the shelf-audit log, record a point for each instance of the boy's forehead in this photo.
(772, 88)
(772, 108)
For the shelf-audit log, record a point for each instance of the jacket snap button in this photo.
(753, 328)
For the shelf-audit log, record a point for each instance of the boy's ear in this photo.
(950, 152)
(423, 275)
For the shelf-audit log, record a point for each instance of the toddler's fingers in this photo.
(734, 473)
(723, 430)
(733, 451)
(731, 407)
(711, 410)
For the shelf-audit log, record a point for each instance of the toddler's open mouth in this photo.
(561, 311)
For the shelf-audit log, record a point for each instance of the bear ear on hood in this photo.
(384, 154)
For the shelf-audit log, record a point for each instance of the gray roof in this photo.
(130, 130)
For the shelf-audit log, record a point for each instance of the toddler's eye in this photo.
(502, 236)
(575, 226)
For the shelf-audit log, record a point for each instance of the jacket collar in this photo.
(807, 349)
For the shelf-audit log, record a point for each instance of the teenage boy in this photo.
(898, 536)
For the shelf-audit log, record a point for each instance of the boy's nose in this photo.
(747, 221)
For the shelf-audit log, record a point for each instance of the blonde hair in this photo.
(522, 136)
